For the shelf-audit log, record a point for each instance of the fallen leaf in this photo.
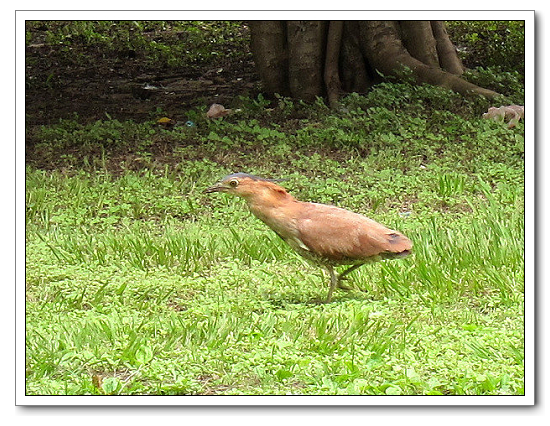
(217, 110)
(166, 122)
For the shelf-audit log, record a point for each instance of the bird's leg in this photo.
(333, 283)
(350, 269)
(343, 275)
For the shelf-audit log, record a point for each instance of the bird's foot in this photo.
(343, 287)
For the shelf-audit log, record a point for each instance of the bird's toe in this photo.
(341, 286)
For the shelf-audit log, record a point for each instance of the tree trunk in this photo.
(306, 46)
(307, 59)
(354, 70)
(269, 48)
(332, 77)
(448, 59)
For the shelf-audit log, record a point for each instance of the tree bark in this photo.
(306, 40)
(419, 41)
(269, 49)
(448, 58)
(307, 59)
(355, 73)
(332, 77)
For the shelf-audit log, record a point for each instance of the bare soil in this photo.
(87, 83)
(90, 84)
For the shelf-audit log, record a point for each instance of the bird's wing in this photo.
(339, 234)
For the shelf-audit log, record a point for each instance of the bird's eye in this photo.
(233, 183)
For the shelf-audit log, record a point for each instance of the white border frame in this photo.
(325, 400)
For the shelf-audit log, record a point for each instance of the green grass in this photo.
(167, 44)
(139, 282)
(490, 43)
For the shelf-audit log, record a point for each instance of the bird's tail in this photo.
(400, 246)
(398, 255)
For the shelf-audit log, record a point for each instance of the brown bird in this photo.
(325, 235)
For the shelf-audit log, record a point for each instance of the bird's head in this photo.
(247, 186)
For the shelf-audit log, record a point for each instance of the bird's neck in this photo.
(271, 207)
(269, 198)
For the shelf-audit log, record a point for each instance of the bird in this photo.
(325, 235)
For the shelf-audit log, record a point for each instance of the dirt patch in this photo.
(85, 81)
(79, 79)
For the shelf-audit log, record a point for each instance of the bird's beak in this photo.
(218, 187)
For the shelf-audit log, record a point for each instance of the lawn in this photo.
(139, 283)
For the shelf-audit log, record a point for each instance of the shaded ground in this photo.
(142, 71)
(76, 78)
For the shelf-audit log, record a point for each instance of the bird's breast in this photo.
(281, 220)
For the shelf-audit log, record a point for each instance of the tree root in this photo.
(307, 59)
